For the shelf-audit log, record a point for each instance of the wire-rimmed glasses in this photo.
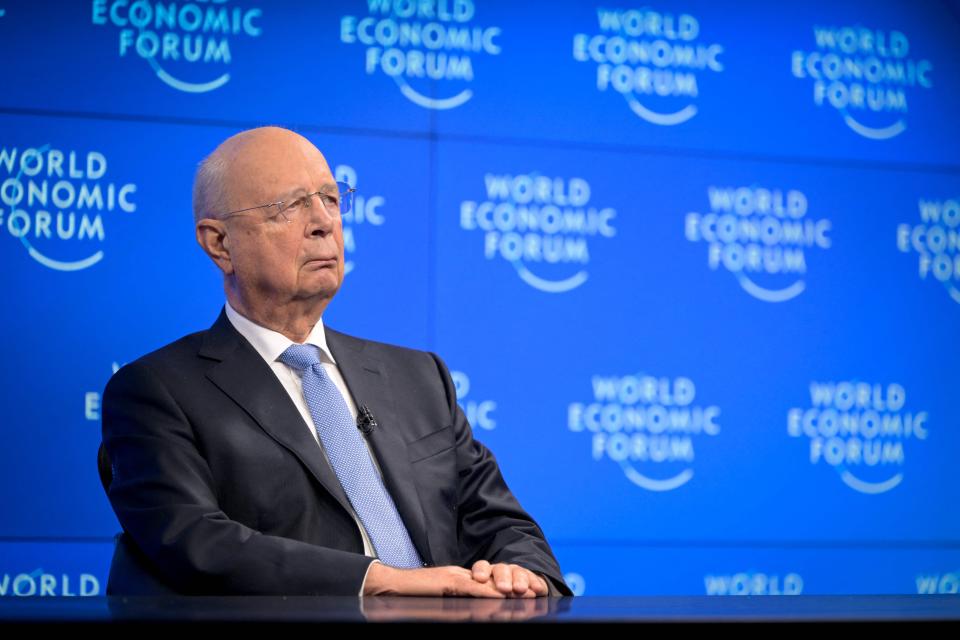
(336, 204)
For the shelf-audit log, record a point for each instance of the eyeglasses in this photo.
(289, 210)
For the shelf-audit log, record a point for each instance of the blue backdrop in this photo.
(695, 265)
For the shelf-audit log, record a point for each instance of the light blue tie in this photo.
(350, 459)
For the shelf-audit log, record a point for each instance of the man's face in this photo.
(276, 262)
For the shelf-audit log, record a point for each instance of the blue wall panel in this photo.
(707, 321)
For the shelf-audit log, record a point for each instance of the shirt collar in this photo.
(271, 344)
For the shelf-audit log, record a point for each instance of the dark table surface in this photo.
(392, 608)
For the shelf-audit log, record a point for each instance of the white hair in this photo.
(209, 193)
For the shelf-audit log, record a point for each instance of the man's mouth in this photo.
(322, 261)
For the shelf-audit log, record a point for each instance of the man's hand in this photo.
(512, 580)
(484, 581)
(385, 580)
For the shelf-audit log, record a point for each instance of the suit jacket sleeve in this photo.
(162, 493)
(492, 525)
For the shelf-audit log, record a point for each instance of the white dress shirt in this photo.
(270, 345)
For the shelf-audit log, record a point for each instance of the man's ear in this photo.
(213, 239)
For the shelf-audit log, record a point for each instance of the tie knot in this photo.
(300, 356)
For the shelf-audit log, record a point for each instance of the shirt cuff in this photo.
(364, 583)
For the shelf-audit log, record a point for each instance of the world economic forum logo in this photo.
(186, 44)
(539, 223)
(860, 429)
(39, 583)
(936, 240)
(931, 583)
(654, 60)
(753, 583)
(865, 75)
(366, 213)
(421, 45)
(54, 202)
(576, 582)
(647, 425)
(761, 236)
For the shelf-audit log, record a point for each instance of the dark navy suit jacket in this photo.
(221, 489)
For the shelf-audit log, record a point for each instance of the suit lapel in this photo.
(243, 375)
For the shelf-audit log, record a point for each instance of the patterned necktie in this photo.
(350, 459)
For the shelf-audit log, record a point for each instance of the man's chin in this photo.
(319, 287)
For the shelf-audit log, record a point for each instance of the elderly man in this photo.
(273, 455)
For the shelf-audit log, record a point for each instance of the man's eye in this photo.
(329, 200)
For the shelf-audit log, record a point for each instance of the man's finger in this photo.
(511, 580)
(481, 570)
(521, 579)
(539, 584)
(482, 590)
(503, 577)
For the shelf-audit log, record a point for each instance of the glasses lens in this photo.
(346, 197)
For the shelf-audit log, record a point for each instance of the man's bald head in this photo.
(242, 160)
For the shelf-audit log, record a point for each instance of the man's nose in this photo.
(320, 221)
